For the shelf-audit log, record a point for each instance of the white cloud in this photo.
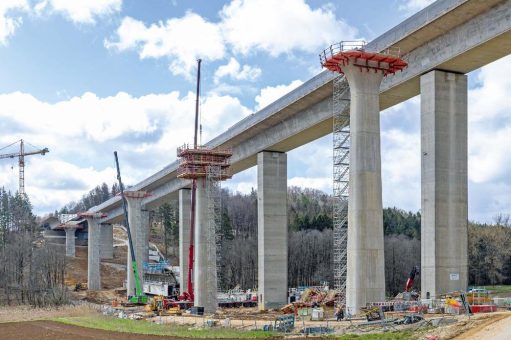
(9, 22)
(182, 40)
(80, 11)
(321, 183)
(234, 70)
(278, 27)
(490, 124)
(271, 93)
(412, 6)
(245, 26)
(82, 133)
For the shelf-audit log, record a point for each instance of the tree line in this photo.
(30, 271)
(310, 239)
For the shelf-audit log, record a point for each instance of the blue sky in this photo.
(86, 77)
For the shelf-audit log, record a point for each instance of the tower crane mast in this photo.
(21, 161)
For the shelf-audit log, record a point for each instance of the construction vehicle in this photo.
(162, 305)
(139, 298)
(411, 278)
(21, 161)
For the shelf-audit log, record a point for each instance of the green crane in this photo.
(139, 298)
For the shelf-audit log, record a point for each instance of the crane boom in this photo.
(21, 161)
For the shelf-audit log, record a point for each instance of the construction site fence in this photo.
(300, 325)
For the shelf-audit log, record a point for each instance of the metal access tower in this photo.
(341, 167)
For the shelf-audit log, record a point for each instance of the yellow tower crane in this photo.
(21, 160)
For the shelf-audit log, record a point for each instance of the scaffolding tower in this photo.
(211, 166)
(341, 167)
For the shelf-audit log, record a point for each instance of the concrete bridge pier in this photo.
(93, 256)
(184, 236)
(138, 218)
(107, 242)
(444, 183)
(70, 241)
(204, 275)
(365, 273)
(272, 229)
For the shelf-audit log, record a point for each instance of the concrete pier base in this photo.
(107, 241)
(272, 229)
(70, 242)
(365, 273)
(184, 236)
(139, 225)
(444, 183)
(93, 257)
(205, 280)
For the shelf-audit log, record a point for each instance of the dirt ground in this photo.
(496, 328)
(111, 276)
(58, 331)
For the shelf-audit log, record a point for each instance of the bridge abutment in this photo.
(444, 264)
(272, 229)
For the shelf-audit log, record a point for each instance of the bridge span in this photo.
(441, 44)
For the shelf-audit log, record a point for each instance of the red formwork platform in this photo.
(197, 162)
(483, 308)
(342, 54)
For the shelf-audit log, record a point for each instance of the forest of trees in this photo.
(310, 239)
(30, 273)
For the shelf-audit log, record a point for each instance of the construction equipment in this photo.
(162, 305)
(411, 278)
(21, 161)
(139, 298)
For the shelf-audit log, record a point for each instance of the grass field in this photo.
(499, 290)
(143, 327)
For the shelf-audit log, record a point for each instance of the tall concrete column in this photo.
(365, 273)
(184, 236)
(138, 218)
(444, 183)
(204, 275)
(70, 241)
(272, 229)
(107, 241)
(93, 257)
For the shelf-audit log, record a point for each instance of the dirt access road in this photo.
(59, 331)
(499, 330)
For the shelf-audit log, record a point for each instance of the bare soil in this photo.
(58, 331)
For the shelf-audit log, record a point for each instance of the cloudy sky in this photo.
(87, 77)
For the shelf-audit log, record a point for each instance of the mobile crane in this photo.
(139, 298)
